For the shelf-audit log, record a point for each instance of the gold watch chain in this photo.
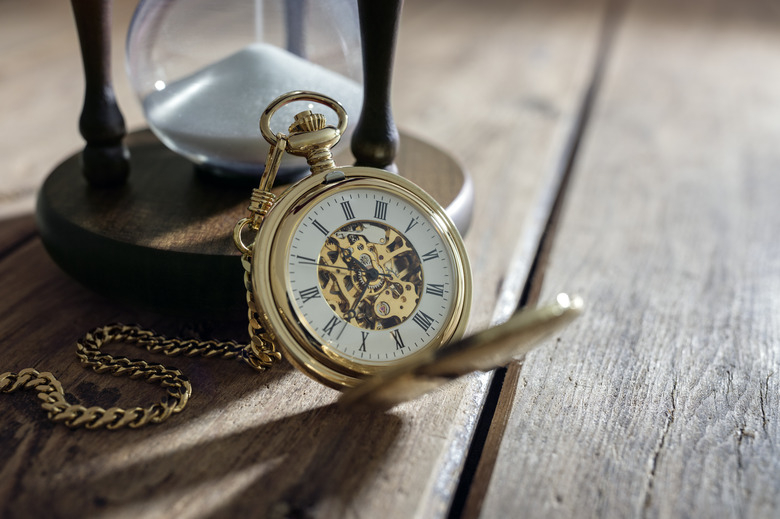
(88, 349)
(260, 354)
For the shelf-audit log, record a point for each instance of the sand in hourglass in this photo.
(212, 116)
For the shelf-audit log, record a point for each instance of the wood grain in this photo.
(662, 400)
(14, 232)
(497, 84)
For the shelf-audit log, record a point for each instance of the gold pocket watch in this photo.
(356, 274)
(354, 270)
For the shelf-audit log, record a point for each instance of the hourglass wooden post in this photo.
(375, 140)
(105, 159)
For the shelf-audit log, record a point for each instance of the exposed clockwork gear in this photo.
(370, 275)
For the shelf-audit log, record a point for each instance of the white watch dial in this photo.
(371, 275)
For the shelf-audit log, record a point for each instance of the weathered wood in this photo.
(14, 232)
(271, 444)
(662, 400)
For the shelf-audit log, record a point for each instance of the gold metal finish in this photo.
(303, 346)
(484, 351)
(370, 275)
(300, 95)
(261, 351)
(307, 122)
(309, 137)
(376, 287)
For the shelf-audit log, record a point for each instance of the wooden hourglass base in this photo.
(164, 240)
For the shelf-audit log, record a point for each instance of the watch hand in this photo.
(350, 314)
(351, 259)
(327, 266)
(336, 267)
(359, 298)
(367, 269)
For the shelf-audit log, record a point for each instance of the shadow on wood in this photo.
(311, 462)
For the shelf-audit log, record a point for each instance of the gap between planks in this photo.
(491, 425)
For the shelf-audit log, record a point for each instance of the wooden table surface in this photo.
(627, 151)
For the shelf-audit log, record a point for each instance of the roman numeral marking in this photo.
(399, 342)
(348, 214)
(430, 255)
(434, 289)
(412, 223)
(424, 320)
(309, 294)
(321, 227)
(363, 344)
(380, 210)
(331, 325)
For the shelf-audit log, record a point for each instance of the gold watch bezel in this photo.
(292, 334)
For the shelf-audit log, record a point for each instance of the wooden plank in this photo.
(14, 232)
(481, 462)
(662, 400)
(272, 444)
(504, 107)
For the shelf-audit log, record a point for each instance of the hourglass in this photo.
(204, 70)
(147, 217)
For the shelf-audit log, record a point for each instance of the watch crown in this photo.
(307, 122)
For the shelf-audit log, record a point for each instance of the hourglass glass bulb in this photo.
(204, 70)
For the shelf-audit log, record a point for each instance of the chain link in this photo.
(260, 354)
(261, 351)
